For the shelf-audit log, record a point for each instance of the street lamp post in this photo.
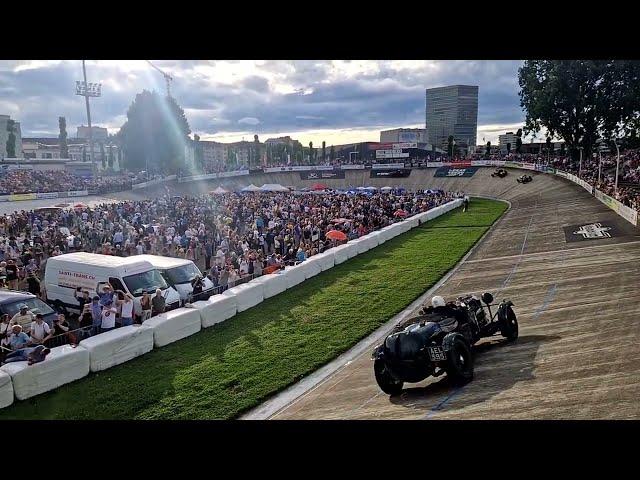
(615, 142)
(87, 90)
(599, 165)
(580, 168)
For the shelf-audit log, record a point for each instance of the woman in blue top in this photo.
(301, 256)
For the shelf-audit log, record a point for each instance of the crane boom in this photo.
(167, 78)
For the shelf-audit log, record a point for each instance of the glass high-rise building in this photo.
(452, 110)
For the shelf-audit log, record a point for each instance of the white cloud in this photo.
(249, 121)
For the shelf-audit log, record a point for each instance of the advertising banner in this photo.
(384, 166)
(562, 174)
(4, 198)
(352, 167)
(78, 193)
(434, 164)
(296, 168)
(391, 173)
(237, 173)
(391, 154)
(18, 197)
(321, 174)
(455, 172)
(400, 146)
(42, 196)
(629, 214)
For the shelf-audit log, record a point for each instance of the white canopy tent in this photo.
(251, 188)
(273, 187)
(219, 191)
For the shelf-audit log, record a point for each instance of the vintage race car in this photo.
(500, 173)
(525, 178)
(439, 341)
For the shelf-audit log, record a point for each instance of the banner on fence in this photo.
(78, 193)
(391, 173)
(455, 172)
(386, 166)
(18, 197)
(4, 198)
(295, 168)
(629, 214)
(352, 167)
(43, 196)
(321, 174)
(435, 164)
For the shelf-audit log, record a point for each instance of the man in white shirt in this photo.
(40, 332)
(23, 318)
(108, 317)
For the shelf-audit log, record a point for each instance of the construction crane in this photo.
(167, 78)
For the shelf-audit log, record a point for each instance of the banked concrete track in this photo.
(578, 304)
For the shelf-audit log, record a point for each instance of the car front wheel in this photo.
(386, 382)
(509, 327)
(459, 362)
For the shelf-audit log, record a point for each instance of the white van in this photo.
(91, 271)
(178, 273)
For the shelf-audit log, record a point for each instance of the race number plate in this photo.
(437, 354)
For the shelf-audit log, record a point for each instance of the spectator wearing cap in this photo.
(40, 331)
(30, 354)
(106, 295)
(23, 317)
(18, 338)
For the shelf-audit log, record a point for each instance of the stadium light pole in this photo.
(615, 142)
(599, 164)
(87, 90)
(580, 168)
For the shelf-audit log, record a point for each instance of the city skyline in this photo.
(335, 101)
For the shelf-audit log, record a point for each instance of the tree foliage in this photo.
(519, 141)
(10, 146)
(581, 100)
(103, 159)
(157, 129)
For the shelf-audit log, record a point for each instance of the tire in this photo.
(459, 362)
(386, 382)
(509, 327)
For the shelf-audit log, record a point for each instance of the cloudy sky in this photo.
(311, 100)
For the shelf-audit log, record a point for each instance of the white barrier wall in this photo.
(313, 267)
(6, 390)
(272, 284)
(174, 325)
(344, 252)
(247, 295)
(326, 259)
(295, 275)
(216, 309)
(63, 365)
(118, 346)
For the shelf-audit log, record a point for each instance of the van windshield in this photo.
(149, 281)
(181, 274)
(35, 305)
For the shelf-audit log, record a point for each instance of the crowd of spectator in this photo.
(232, 237)
(46, 181)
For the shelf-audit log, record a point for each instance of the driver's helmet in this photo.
(438, 301)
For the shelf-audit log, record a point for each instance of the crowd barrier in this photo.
(174, 325)
(150, 183)
(118, 346)
(66, 364)
(628, 213)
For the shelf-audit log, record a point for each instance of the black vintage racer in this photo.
(439, 341)
(524, 178)
(500, 173)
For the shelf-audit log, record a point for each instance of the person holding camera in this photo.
(61, 327)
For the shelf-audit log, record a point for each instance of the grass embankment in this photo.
(231, 367)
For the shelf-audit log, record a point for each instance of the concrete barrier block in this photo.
(174, 325)
(216, 309)
(295, 275)
(247, 295)
(313, 267)
(6, 390)
(63, 365)
(272, 284)
(344, 252)
(118, 346)
(326, 259)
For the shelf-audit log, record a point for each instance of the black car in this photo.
(500, 173)
(439, 341)
(10, 301)
(525, 178)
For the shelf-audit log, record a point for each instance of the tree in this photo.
(11, 139)
(102, 157)
(110, 156)
(310, 152)
(562, 149)
(519, 141)
(324, 151)
(62, 137)
(332, 153)
(488, 152)
(549, 146)
(450, 146)
(156, 129)
(581, 100)
(508, 148)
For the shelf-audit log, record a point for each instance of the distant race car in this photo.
(525, 178)
(439, 341)
(500, 172)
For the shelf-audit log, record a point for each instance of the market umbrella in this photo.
(336, 235)
(318, 186)
(400, 213)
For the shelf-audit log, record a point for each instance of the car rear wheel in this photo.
(509, 327)
(386, 382)
(459, 362)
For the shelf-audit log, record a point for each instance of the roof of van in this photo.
(164, 262)
(98, 260)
